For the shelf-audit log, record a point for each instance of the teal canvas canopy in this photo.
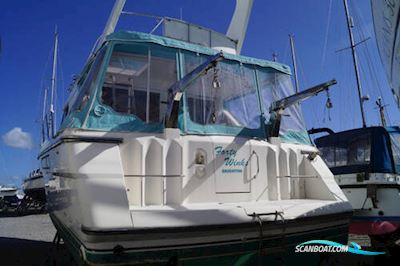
(124, 87)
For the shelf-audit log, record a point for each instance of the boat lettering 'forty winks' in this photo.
(138, 171)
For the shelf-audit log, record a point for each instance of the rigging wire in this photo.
(326, 34)
(368, 57)
(60, 88)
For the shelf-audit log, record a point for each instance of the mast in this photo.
(381, 108)
(296, 80)
(238, 25)
(44, 122)
(112, 21)
(355, 61)
(53, 87)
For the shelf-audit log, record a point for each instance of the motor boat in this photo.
(175, 149)
(366, 165)
(34, 186)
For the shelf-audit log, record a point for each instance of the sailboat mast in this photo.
(381, 108)
(53, 86)
(296, 80)
(44, 123)
(355, 61)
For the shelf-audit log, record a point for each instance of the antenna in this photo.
(291, 38)
(381, 108)
(240, 19)
(53, 87)
(274, 56)
(355, 62)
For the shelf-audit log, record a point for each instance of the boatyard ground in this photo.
(27, 240)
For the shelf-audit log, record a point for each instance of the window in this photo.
(45, 162)
(328, 154)
(345, 150)
(359, 150)
(233, 103)
(137, 80)
(84, 91)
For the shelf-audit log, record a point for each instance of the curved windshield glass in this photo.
(226, 95)
(137, 80)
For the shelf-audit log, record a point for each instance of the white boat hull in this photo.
(375, 203)
(107, 190)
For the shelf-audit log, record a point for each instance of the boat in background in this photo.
(34, 186)
(34, 199)
(8, 197)
(174, 150)
(366, 165)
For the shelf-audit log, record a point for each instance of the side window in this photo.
(359, 150)
(137, 80)
(328, 154)
(45, 162)
(88, 83)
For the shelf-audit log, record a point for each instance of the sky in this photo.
(319, 29)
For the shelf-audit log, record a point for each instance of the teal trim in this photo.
(194, 128)
(124, 36)
(296, 137)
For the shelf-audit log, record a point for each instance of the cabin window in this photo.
(359, 150)
(328, 153)
(84, 91)
(347, 150)
(137, 81)
(226, 95)
(45, 162)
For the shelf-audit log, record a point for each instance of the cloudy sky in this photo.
(26, 32)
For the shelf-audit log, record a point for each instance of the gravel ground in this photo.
(27, 240)
(32, 227)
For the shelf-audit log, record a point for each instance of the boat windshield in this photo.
(226, 95)
(137, 81)
(133, 93)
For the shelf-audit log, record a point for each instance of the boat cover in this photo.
(100, 117)
(371, 150)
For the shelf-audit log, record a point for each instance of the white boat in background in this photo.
(8, 197)
(387, 32)
(171, 151)
(7, 191)
(34, 186)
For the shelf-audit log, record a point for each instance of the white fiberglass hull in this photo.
(375, 203)
(8, 192)
(129, 190)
